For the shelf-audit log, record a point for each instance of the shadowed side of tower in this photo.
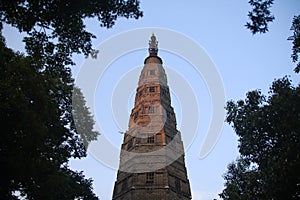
(152, 155)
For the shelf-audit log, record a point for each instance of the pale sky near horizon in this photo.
(244, 62)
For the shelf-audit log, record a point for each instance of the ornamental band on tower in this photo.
(152, 156)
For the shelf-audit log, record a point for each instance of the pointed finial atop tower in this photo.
(153, 45)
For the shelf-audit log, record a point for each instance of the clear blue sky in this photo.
(245, 62)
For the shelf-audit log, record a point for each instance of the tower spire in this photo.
(153, 45)
(152, 156)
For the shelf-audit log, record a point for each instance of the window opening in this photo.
(150, 177)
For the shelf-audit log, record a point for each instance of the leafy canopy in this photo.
(260, 16)
(37, 138)
(40, 123)
(56, 28)
(269, 144)
(296, 41)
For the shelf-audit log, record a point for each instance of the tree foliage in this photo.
(40, 123)
(260, 16)
(242, 182)
(56, 29)
(269, 144)
(37, 138)
(83, 120)
(296, 41)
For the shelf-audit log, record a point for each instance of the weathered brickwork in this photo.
(152, 156)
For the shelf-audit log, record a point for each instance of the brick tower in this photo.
(152, 156)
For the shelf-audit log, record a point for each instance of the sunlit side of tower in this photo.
(152, 156)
